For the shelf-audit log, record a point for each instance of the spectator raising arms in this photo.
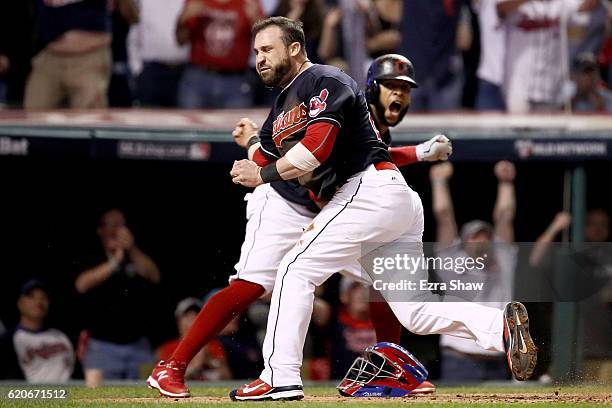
(116, 289)
(462, 359)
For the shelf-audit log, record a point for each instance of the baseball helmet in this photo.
(387, 370)
(388, 66)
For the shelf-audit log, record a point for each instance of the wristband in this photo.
(253, 140)
(270, 173)
(421, 150)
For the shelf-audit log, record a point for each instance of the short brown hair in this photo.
(292, 30)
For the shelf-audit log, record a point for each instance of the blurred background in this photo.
(115, 125)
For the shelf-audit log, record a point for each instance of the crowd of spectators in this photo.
(121, 338)
(507, 55)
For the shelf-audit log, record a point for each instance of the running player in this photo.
(321, 133)
(278, 213)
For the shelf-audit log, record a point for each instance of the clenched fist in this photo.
(245, 129)
(437, 148)
(505, 171)
(246, 173)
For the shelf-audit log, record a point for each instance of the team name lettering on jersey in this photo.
(289, 123)
(44, 351)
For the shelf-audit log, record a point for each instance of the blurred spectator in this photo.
(220, 35)
(120, 88)
(534, 74)
(353, 331)
(331, 47)
(384, 37)
(316, 353)
(210, 363)
(74, 62)
(312, 14)
(429, 39)
(116, 292)
(5, 65)
(492, 52)
(462, 359)
(598, 331)
(156, 60)
(242, 351)
(591, 93)
(596, 310)
(560, 223)
(15, 49)
(604, 55)
(586, 30)
(32, 351)
(344, 37)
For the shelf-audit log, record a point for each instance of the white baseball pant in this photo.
(274, 226)
(372, 207)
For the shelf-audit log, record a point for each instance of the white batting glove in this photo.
(437, 148)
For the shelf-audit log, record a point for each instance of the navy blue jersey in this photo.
(324, 93)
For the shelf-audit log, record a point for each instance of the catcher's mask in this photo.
(387, 370)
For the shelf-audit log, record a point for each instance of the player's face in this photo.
(395, 99)
(273, 63)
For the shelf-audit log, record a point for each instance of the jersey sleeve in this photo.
(328, 101)
(403, 155)
(268, 149)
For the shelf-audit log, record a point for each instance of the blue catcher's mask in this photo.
(387, 370)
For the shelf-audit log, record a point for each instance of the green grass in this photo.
(512, 396)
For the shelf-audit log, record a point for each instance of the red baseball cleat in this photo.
(169, 379)
(521, 352)
(425, 388)
(260, 391)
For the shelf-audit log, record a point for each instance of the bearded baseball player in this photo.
(277, 215)
(321, 133)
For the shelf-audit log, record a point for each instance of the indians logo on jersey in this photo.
(317, 103)
(289, 123)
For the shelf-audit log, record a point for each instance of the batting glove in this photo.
(437, 148)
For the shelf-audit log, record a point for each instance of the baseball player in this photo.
(320, 132)
(277, 214)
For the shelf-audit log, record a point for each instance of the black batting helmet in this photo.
(388, 66)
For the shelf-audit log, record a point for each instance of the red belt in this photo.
(385, 166)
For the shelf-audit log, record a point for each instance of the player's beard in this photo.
(277, 75)
(380, 114)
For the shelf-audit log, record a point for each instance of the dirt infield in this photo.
(467, 398)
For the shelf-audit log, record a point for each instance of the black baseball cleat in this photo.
(261, 391)
(521, 352)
